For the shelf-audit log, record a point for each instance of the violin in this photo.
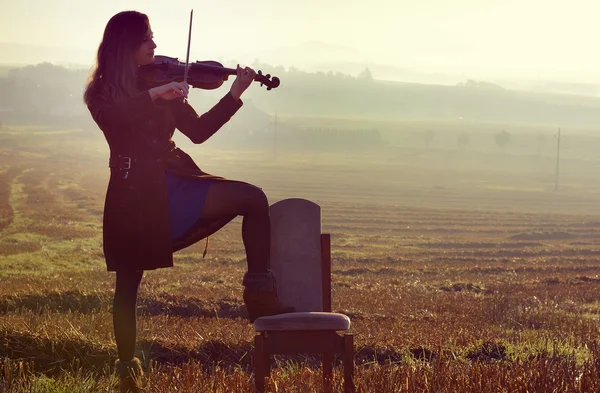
(206, 74)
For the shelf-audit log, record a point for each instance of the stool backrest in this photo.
(296, 258)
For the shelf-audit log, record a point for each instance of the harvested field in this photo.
(457, 277)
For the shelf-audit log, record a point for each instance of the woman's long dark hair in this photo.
(115, 69)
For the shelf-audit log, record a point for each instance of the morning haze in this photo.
(474, 82)
(453, 147)
(465, 38)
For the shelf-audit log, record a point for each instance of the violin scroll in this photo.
(271, 83)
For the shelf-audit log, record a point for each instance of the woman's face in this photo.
(145, 53)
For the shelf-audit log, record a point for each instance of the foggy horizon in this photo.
(511, 41)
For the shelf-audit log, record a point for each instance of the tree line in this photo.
(51, 90)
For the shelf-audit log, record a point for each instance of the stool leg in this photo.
(349, 364)
(327, 372)
(260, 372)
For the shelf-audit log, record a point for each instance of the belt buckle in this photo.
(126, 163)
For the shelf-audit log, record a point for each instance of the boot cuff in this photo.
(259, 282)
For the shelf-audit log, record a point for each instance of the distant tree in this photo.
(366, 75)
(502, 139)
(463, 140)
(471, 84)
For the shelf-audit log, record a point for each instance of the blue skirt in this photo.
(186, 202)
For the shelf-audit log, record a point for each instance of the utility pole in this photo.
(557, 158)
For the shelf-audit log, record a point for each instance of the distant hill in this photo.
(317, 56)
(305, 55)
(591, 89)
(311, 56)
(24, 54)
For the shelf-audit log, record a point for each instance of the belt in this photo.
(121, 162)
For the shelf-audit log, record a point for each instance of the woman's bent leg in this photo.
(241, 199)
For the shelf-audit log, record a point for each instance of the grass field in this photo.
(462, 270)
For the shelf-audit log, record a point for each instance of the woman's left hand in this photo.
(245, 76)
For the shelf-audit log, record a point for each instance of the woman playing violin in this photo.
(158, 200)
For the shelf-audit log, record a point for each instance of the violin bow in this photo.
(187, 57)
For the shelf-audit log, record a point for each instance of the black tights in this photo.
(124, 312)
(224, 199)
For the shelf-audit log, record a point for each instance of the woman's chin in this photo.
(146, 60)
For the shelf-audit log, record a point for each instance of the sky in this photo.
(533, 38)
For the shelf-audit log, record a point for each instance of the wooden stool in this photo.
(301, 261)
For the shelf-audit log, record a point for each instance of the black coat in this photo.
(136, 224)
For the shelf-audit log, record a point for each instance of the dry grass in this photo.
(451, 286)
(6, 213)
(543, 374)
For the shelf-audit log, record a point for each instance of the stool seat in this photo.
(303, 321)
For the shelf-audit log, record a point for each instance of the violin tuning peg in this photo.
(268, 76)
(259, 72)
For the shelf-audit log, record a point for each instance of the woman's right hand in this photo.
(170, 91)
